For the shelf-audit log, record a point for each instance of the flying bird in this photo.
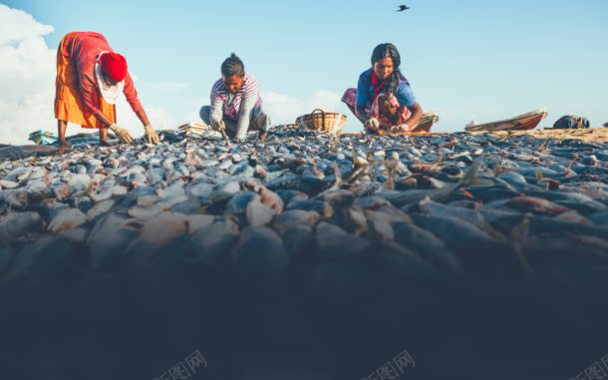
(403, 8)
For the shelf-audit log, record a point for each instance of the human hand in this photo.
(372, 124)
(218, 125)
(151, 135)
(401, 128)
(121, 133)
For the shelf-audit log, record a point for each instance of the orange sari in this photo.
(68, 102)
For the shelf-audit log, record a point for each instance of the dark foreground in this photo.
(345, 319)
(440, 257)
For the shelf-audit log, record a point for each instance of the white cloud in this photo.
(27, 76)
(17, 26)
(284, 109)
(27, 83)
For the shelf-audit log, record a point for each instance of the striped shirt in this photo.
(236, 106)
(230, 104)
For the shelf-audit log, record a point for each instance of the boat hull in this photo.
(524, 122)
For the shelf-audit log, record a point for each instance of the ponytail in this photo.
(233, 66)
(393, 81)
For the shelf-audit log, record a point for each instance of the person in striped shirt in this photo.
(236, 105)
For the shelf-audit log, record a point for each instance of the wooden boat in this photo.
(17, 152)
(525, 122)
(42, 137)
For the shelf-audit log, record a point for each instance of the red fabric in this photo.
(377, 85)
(403, 113)
(82, 49)
(114, 66)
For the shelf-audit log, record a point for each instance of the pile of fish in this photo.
(333, 212)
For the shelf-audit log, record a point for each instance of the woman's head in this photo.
(385, 60)
(385, 63)
(107, 80)
(233, 73)
(113, 67)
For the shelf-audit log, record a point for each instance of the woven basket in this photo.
(319, 120)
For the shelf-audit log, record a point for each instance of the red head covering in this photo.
(114, 66)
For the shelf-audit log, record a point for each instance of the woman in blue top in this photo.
(383, 98)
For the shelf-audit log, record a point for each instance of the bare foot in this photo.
(104, 143)
(262, 136)
(63, 145)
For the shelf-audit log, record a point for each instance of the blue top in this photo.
(365, 91)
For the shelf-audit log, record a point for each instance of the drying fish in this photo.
(348, 207)
(16, 224)
(212, 242)
(323, 209)
(67, 219)
(334, 243)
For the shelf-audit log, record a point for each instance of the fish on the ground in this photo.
(459, 204)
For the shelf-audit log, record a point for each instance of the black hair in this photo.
(233, 66)
(388, 50)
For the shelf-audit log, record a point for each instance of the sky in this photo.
(466, 60)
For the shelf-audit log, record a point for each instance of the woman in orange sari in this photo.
(90, 78)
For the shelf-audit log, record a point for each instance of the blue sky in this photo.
(466, 59)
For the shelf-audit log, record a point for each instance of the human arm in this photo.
(250, 92)
(362, 99)
(416, 115)
(244, 116)
(361, 114)
(89, 98)
(216, 112)
(406, 98)
(149, 132)
(133, 100)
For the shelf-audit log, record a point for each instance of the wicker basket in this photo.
(319, 120)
